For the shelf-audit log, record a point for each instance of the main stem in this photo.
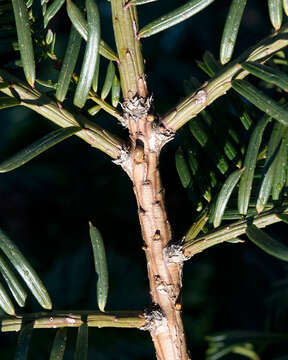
(141, 162)
(165, 278)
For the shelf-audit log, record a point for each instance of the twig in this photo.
(105, 106)
(221, 82)
(231, 231)
(42, 104)
(131, 65)
(56, 319)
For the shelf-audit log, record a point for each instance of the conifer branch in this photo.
(57, 319)
(221, 82)
(50, 109)
(230, 231)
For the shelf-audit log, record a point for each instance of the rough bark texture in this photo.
(141, 162)
(142, 165)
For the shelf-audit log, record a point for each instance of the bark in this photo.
(141, 162)
(142, 165)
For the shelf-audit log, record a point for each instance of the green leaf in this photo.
(52, 11)
(115, 92)
(218, 351)
(280, 167)
(91, 54)
(267, 243)
(13, 283)
(23, 342)
(108, 80)
(24, 40)
(80, 24)
(198, 225)
(269, 169)
(139, 2)
(231, 28)
(275, 13)
(49, 84)
(285, 6)
(283, 217)
(100, 266)
(68, 65)
(77, 19)
(30, 152)
(29, 3)
(5, 302)
(211, 63)
(4, 85)
(242, 110)
(180, 14)
(182, 168)
(249, 165)
(59, 345)
(205, 68)
(198, 172)
(82, 343)
(94, 110)
(203, 136)
(267, 74)
(7, 101)
(96, 75)
(224, 195)
(25, 270)
(260, 100)
(244, 350)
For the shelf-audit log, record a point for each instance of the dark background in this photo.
(45, 207)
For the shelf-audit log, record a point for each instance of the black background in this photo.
(45, 207)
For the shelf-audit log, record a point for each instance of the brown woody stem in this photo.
(141, 164)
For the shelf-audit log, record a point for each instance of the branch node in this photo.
(174, 253)
(200, 97)
(125, 161)
(156, 321)
(159, 138)
(135, 108)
